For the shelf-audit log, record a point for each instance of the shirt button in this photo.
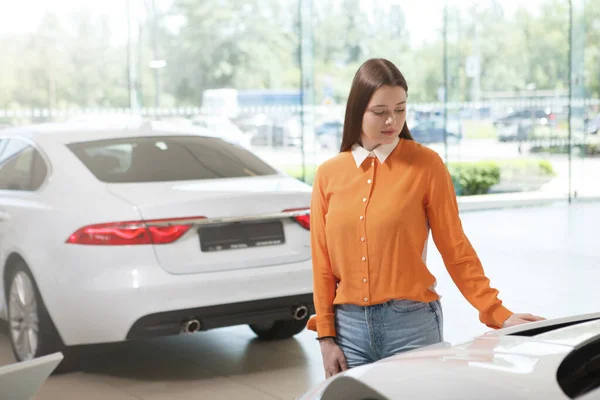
(364, 258)
(372, 164)
(364, 199)
(361, 217)
(365, 280)
(362, 239)
(369, 181)
(366, 299)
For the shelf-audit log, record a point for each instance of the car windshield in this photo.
(167, 158)
(579, 372)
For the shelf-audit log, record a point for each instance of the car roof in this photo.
(83, 130)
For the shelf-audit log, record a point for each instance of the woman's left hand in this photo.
(518, 319)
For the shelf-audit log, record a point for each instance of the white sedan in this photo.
(110, 232)
(552, 359)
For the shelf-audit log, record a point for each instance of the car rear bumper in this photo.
(218, 316)
(128, 303)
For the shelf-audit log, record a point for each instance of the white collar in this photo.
(382, 152)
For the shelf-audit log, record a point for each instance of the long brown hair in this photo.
(372, 75)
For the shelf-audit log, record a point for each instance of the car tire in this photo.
(48, 339)
(283, 329)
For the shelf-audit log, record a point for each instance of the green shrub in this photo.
(546, 167)
(525, 167)
(478, 177)
(472, 178)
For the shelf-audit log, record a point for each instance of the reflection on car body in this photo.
(551, 359)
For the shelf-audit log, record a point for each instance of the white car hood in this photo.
(496, 365)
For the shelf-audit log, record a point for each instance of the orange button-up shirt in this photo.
(370, 218)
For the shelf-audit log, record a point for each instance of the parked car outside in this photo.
(433, 129)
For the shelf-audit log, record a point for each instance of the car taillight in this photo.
(302, 220)
(131, 233)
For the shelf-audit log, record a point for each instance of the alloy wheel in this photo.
(24, 319)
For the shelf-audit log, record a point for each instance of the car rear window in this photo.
(167, 158)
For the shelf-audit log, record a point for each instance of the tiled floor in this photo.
(543, 260)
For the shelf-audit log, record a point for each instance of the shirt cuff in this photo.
(324, 325)
(496, 318)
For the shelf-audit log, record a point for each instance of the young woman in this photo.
(372, 208)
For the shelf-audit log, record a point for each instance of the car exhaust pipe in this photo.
(299, 312)
(190, 326)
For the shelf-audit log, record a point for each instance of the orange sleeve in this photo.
(324, 282)
(458, 254)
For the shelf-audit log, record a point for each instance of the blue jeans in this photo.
(368, 334)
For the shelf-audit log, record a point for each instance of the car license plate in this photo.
(241, 235)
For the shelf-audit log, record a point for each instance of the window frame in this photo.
(30, 144)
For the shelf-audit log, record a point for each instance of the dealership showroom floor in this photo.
(544, 260)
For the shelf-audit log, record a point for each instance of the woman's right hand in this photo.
(334, 360)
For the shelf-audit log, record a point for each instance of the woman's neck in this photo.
(368, 145)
